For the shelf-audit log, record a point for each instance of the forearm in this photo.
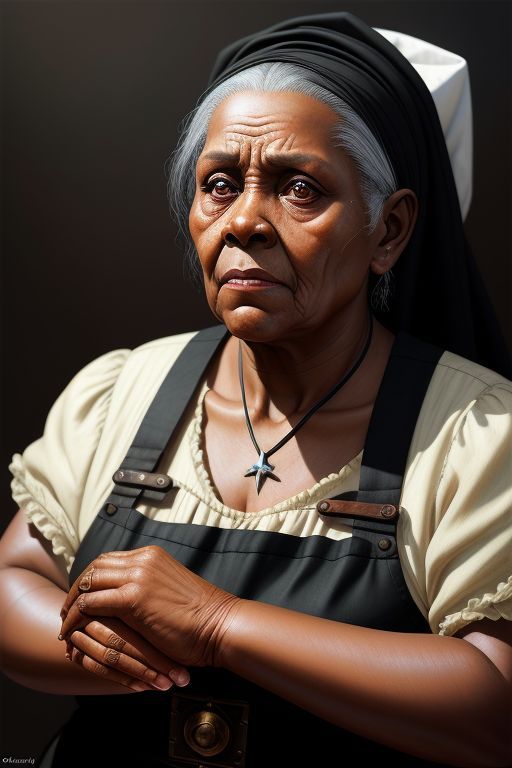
(436, 697)
(30, 652)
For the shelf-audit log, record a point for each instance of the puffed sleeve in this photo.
(50, 475)
(468, 561)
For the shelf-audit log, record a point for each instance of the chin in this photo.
(254, 324)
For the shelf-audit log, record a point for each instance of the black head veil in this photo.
(439, 295)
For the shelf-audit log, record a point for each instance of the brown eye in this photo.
(219, 187)
(302, 190)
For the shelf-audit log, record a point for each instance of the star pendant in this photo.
(262, 469)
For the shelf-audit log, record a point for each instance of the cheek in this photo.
(195, 224)
(330, 265)
(203, 236)
(320, 251)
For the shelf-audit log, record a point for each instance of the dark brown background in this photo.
(92, 94)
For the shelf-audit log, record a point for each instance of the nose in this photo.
(247, 226)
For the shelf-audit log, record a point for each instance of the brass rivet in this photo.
(206, 733)
(384, 544)
(323, 506)
(111, 509)
(387, 510)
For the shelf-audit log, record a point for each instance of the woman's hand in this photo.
(114, 651)
(179, 613)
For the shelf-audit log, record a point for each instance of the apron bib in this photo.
(220, 720)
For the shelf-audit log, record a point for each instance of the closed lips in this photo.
(249, 277)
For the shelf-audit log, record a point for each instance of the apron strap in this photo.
(374, 509)
(161, 420)
(403, 388)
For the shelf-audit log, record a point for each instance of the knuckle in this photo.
(114, 641)
(148, 553)
(81, 604)
(153, 549)
(149, 674)
(137, 573)
(94, 666)
(85, 583)
(112, 657)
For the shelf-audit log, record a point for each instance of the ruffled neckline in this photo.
(307, 498)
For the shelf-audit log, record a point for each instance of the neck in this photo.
(290, 376)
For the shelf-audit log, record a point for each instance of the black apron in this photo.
(220, 720)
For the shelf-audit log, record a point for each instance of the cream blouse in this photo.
(455, 528)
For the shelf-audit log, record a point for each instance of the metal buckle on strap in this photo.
(208, 732)
(140, 479)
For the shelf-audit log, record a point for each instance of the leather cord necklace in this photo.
(262, 468)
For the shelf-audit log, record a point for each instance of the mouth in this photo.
(249, 279)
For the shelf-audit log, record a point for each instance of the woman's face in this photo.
(278, 219)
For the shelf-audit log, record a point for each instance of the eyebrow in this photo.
(276, 158)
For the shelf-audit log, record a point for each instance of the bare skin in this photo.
(446, 699)
(33, 586)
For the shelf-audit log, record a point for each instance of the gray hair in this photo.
(378, 179)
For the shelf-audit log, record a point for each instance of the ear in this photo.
(395, 228)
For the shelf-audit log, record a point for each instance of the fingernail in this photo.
(68, 656)
(162, 682)
(60, 637)
(182, 679)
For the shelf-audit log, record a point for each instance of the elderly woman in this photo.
(305, 556)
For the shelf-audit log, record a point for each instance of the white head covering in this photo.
(447, 78)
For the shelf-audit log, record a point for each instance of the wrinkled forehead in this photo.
(272, 122)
